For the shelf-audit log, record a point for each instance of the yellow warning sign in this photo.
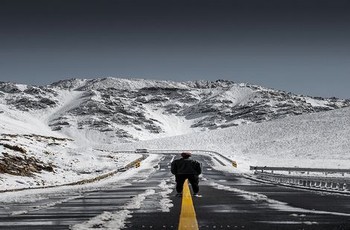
(234, 164)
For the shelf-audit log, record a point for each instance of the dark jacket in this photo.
(186, 166)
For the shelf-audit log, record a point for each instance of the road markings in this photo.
(188, 218)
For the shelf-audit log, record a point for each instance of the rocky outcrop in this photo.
(22, 165)
(8, 87)
(25, 103)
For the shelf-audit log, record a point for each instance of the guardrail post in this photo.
(329, 185)
(312, 183)
(318, 184)
(340, 186)
(334, 185)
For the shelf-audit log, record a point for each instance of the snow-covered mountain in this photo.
(70, 130)
(110, 110)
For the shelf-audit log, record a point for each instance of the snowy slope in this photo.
(313, 140)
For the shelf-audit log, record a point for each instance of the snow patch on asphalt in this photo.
(165, 202)
(289, 222)
(275, 204)
(47, 205)
(114, 220)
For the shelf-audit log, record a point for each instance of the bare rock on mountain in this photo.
(8, 87)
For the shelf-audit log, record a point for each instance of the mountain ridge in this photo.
(124, 110)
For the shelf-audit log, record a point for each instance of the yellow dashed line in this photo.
(188, 218)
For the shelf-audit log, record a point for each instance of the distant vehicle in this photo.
(141, 151)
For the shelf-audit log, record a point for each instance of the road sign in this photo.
(234, 164)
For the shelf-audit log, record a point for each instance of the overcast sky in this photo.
(300, 46)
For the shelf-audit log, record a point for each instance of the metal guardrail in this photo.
(339, 184)
(297, 169)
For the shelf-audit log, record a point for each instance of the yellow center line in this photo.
(188, 218)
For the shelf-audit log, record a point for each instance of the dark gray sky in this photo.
(301, 46)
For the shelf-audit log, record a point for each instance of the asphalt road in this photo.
(229, 201)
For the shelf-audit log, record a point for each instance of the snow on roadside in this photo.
(67, 162)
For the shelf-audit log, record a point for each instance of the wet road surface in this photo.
(229, 201)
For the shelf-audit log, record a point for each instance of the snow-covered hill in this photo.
(122, 110)
(54, 132)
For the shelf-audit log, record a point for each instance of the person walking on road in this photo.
(186, 168)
